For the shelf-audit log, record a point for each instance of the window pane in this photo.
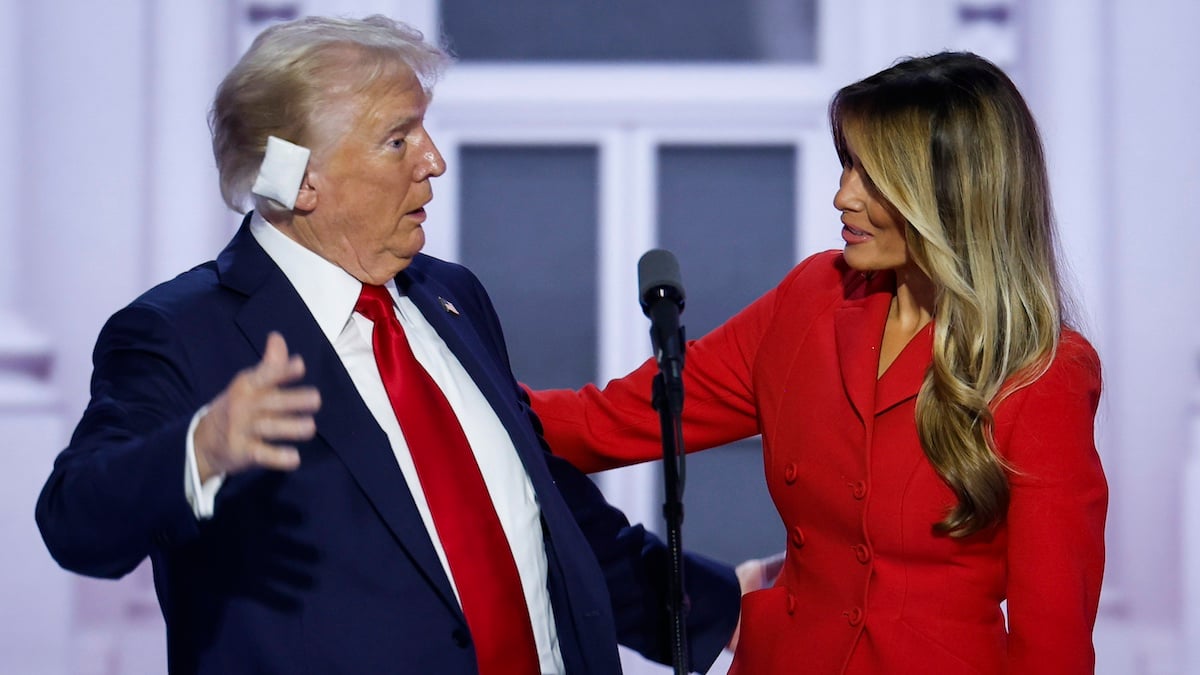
(631, 30)
(528, 230)
(728, 213)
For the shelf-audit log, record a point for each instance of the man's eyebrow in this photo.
(402, 124)
(407, 120)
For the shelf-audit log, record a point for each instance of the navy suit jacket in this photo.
(329, 569)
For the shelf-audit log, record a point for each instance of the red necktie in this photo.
(477, 550)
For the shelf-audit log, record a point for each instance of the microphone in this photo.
(662, 300)
(658, 279)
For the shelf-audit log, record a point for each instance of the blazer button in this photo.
(854, 616)
(791, 604)
(461, 638)
(859, 489)
(789, 473)
(862, 553)
(797, 537)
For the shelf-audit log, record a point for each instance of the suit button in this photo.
(797, 537)
(791, 604)
(854, 616)
(789, 473)
(461, 638)
(862, 553)
(859, 489)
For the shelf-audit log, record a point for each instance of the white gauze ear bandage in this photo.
(281, 172)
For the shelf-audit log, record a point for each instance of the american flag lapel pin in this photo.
(448, 306)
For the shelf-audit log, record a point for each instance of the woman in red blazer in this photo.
(926, 415)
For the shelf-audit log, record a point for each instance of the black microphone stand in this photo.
(667, 398)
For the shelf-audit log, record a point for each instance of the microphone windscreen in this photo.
(658, 269)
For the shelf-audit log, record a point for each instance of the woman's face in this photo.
(872, 228)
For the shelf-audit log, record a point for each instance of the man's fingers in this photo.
(772, 566)
(259, 409)
(274, 373)
(299, 428)
(292, 401)
(276, 457)
(276, 350)
(276, 367)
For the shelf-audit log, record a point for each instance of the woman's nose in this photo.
(848, 196)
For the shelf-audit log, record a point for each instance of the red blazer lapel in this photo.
(902, 380)
(858, 328)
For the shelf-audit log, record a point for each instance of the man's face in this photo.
(371, 181)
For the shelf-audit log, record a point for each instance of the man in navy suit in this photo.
(241, 435)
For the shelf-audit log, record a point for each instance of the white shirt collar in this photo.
(329, 291)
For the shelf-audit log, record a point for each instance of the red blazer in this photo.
(868, 586)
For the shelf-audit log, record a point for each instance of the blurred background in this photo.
(578, 134)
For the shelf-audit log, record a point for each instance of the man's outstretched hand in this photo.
(252, 423)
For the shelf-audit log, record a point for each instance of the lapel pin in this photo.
(448, 306)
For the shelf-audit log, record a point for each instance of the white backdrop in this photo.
(107, 186)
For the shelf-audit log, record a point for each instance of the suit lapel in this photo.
(902, 380)
(858, 328)
(344, 422)
(456, 327)
(859, 325)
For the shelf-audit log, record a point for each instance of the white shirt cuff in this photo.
(200, 496)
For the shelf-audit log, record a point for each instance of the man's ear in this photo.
(306, 199)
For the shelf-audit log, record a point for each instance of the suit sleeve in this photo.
(635, 564)
(1056, 518)
(117, 491)
(597, 429)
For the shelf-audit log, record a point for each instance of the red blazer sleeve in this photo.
(597, 429)
(1056, 517)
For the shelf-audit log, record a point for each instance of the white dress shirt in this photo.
(330, 294)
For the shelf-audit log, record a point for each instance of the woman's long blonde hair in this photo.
(948, 140)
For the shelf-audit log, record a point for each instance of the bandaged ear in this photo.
(281, 172)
